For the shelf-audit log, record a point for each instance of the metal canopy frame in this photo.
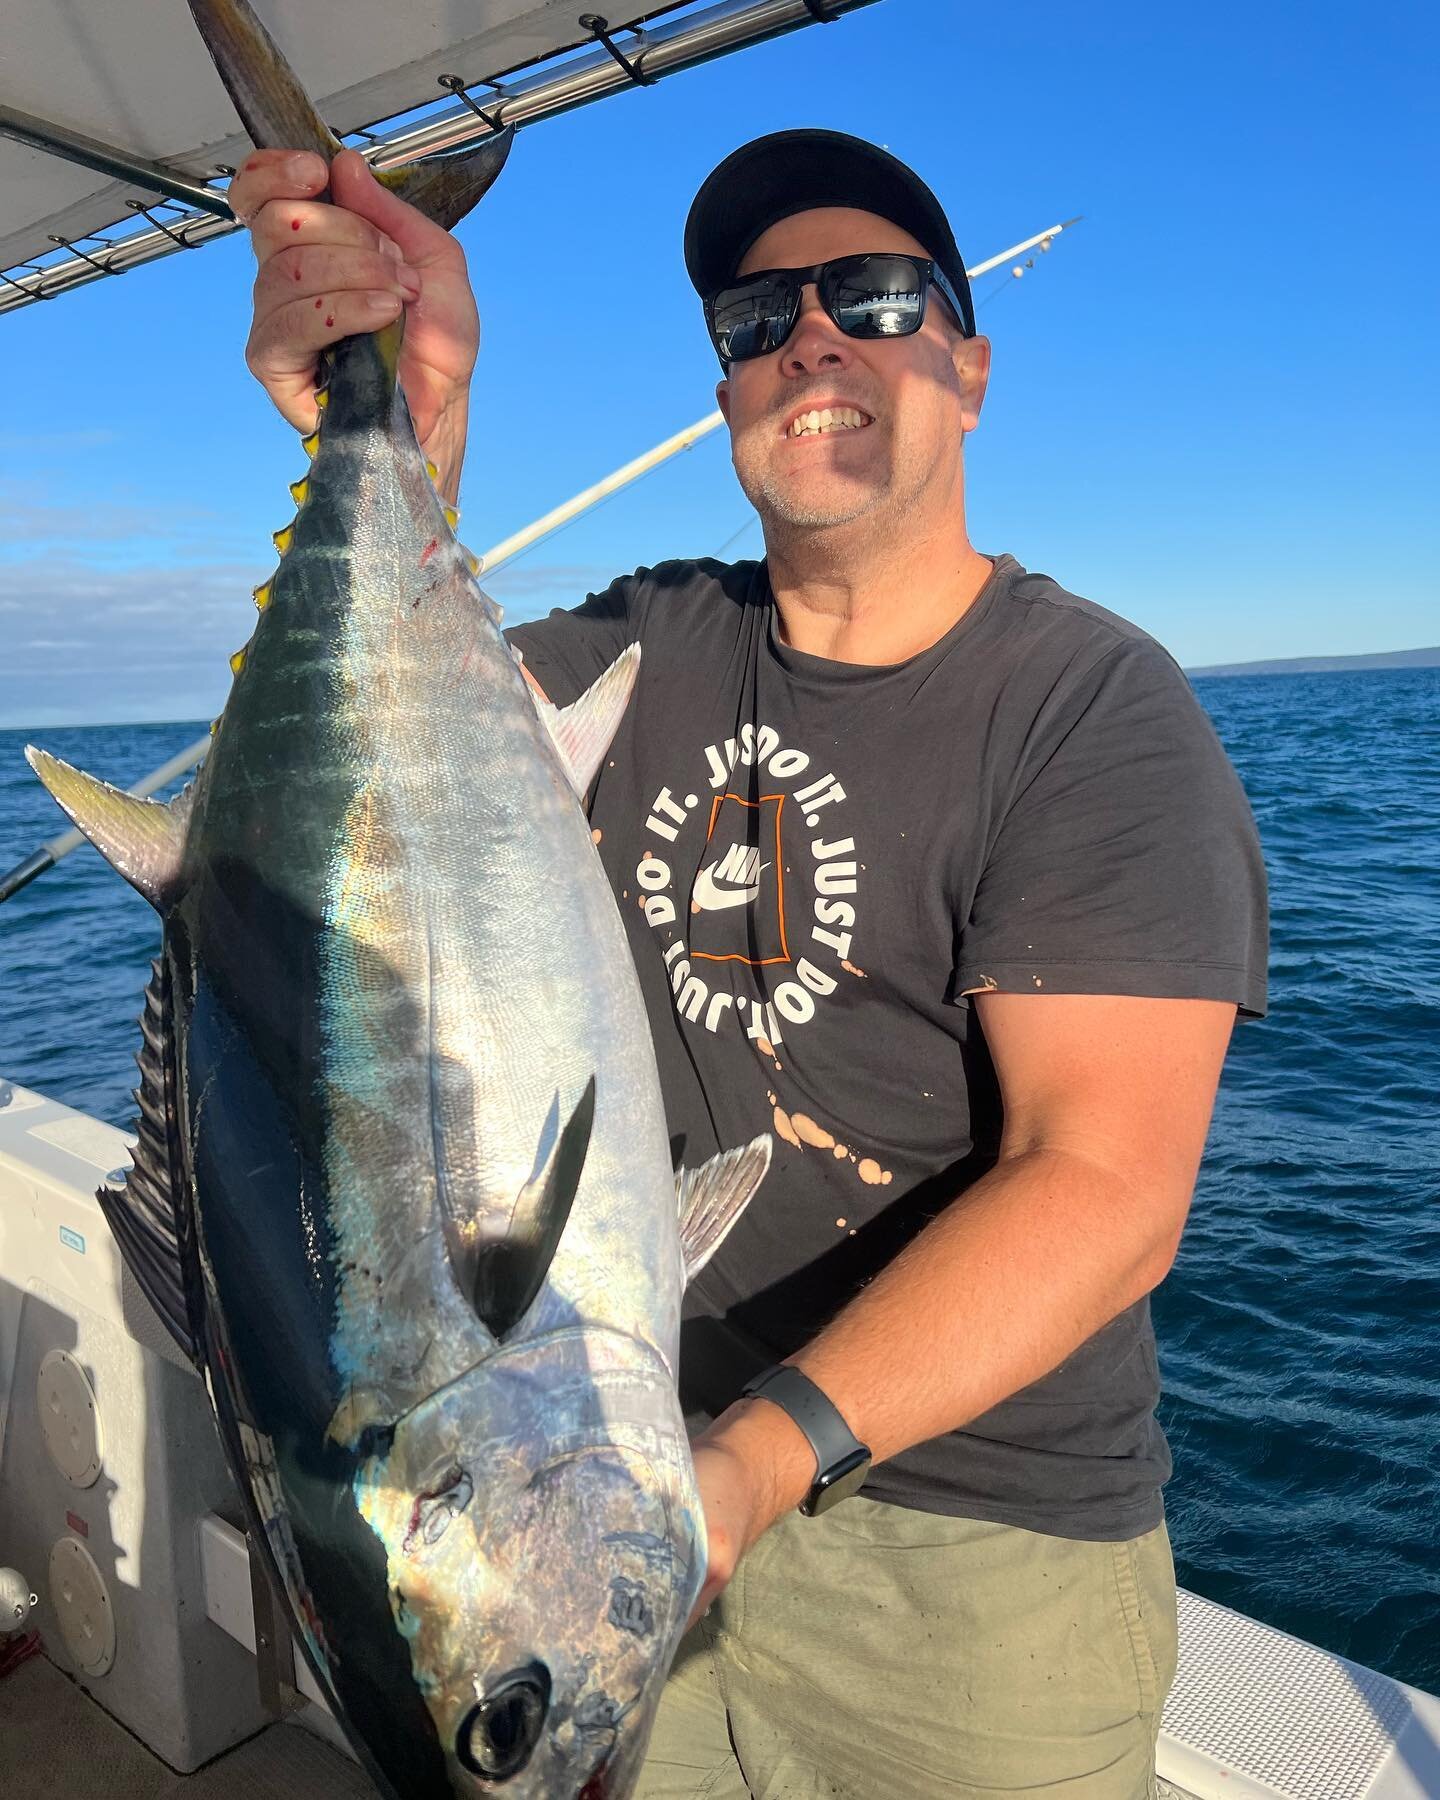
(189, 210)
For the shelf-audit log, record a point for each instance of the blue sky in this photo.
(1213, 405)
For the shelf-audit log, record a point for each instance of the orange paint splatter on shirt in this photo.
(850, 969)
(784, 1129)
(596, 835)
(813, 1133)
(871, 1173)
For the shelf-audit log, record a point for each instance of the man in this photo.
(941, 873)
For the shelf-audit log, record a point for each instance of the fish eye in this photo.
(499, 1733)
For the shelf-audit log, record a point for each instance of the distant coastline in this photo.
(1329, 665)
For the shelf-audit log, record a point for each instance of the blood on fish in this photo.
(429, 551)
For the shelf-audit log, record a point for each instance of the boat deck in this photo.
(57, 1744)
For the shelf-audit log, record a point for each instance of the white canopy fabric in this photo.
(134, 74)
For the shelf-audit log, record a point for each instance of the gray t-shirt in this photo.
(817, 863)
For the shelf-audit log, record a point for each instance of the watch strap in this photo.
(838, 1452)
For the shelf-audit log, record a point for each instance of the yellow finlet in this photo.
(322, 398)
(299, 489)
(237, 661)
(214, 726)
(284, 538)
(474, 562)
(262, 595)
(431, 470)
(452, 517)
(311, 443)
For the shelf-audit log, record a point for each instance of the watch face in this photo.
(839, 1482)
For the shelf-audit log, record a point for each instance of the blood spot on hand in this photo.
(320, 302)
(294, 224)
(329, 318)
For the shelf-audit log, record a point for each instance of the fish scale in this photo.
(403, 1191)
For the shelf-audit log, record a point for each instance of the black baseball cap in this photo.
(795, 171)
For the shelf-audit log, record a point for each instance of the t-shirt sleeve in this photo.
(1124, 859)
(569, 650)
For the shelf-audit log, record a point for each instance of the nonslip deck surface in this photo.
(57, 1744)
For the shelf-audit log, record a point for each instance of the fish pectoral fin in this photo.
(507, 1273)
(712, 1198)
(444, 187)
(583, 732)
(148, 1218)
(142, 839)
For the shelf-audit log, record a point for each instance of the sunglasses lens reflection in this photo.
(866, 296)
(752, 319)
(875, 296)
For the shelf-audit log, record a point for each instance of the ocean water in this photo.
(1300, 1329)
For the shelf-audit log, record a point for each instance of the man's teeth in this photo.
(839, 418)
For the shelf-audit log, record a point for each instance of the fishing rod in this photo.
(50, 853)
(46, 857)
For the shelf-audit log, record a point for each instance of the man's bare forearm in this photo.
(998, 1290)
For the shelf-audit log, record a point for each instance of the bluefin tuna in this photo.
(402, 1186)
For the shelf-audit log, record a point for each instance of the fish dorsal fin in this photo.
(504, 1274)
(150, 1224)
(444, 187)
(713, 1197)
(582, 732)
(142, 839)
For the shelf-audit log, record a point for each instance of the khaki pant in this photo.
(882, 1654)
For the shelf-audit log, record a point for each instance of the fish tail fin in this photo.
(143, 840)
(278, 114)
(445, 186)
(273, 107)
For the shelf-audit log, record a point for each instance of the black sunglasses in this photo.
(874, 296)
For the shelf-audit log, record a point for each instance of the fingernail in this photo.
(302, 169)
(382, 304)
(409, 281)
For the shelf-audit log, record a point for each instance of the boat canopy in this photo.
(116, 136)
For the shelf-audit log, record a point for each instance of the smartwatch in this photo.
(841, 1461)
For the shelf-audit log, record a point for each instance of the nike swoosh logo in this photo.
(710, 898)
